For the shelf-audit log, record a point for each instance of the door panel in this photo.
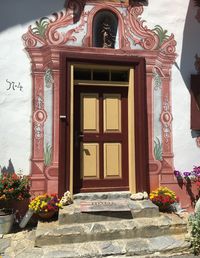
(90, 112)
(112, 160)
(89, 160)
(101, 139)
(112, 112)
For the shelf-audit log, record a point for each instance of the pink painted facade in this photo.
(61, 32)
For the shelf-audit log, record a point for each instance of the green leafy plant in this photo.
(157, 149)
(13, 186)
(47, 154)
(41, 27)
(162, 34)
(194, 222)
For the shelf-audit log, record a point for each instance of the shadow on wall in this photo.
(191, 44)
(190, 47)
(23, 11)
(10, 169)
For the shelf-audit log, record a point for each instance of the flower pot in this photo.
(19, 206)
(164, 208)
(6, 222)
(46, 215)
(26, 218)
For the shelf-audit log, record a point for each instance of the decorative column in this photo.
(51, 171)
(39, 117)
(167, 175)
(154, 165)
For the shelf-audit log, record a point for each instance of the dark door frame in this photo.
(140, 116)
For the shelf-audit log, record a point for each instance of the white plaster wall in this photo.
(16, 105)
(176, 16)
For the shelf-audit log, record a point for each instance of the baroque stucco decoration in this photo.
(71, 30)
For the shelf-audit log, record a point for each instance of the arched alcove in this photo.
(104, 29)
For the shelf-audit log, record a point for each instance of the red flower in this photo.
(198, 183)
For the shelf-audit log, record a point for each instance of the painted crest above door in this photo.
(78, 25)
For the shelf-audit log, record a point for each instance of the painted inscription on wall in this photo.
(13, 86)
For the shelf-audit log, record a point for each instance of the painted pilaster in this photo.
(38, 118)
(166, 118)
(154, 165)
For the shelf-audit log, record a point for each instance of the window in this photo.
(98, 74)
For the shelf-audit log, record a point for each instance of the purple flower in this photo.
(177, 173)
(186, 174)
(196, 169)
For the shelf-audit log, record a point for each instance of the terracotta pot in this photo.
(46, 215)
(165, 208)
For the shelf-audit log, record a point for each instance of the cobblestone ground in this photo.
(20, 244)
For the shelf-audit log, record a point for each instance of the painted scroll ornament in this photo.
(46, 31)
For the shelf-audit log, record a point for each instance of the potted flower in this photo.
(191, 179)
(6, 220)
(14, 192)
(163, 197)
(45, 205)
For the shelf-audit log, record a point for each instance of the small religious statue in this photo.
(108, 40)
(197, 63)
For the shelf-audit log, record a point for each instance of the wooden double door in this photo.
(100, 139)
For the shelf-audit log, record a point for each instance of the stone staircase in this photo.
(111, 225)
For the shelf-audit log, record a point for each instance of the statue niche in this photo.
(105, 26)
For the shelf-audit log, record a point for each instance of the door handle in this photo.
(63, 117)
(78, 137)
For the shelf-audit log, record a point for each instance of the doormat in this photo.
(97, 206)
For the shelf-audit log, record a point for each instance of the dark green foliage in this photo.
(13, 186)
(195, 232)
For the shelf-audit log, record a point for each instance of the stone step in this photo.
(83, 211)
(138, 247)
(53, 233)
(102, 196)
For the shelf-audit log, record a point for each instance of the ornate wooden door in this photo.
(100, 139)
